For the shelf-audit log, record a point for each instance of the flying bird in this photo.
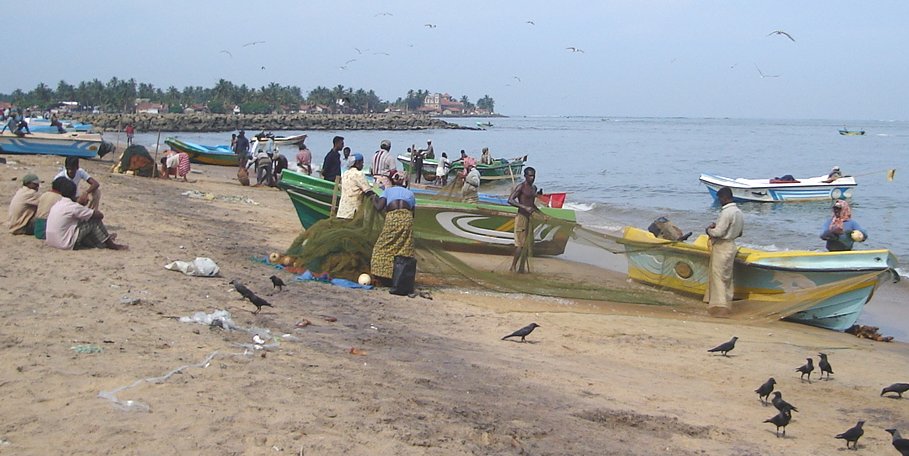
(380, 53)
(383, 14)
(574, 49)
(531, 22)
(523, 332)
(253, 43)
(252, 297)
(262, 67)
(360, 51)
(781, 405)
(806, 368)
(277, 282)
(852, 435)
(765, 75)
(430, 25)
(780, 32)
(901, 444)
(725, 347)
(898, 388)
(824, 365)
(225, 51)
(781, 420)
(350, 61)
(764, 390)
(342, 67)
(518, 79)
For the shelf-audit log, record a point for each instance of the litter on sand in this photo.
(200, 267)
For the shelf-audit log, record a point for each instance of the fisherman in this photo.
(486, 157)
(396, 239)
(723, 233)
(346, 160)
(304, 159)
(130, 131)
(442, 170)
(73, 226)
(24, 205)
(382, 163)
(471, 181)
(835, 174)
(45, 202)
(841, 231)
(331, 166)
(353, 188)
(241, 148)
(91, 197)
(524, 198)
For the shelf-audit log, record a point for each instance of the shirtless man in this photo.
(524, 198)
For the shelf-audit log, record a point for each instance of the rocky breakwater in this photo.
(200, 122)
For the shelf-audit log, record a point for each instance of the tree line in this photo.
(119, 95)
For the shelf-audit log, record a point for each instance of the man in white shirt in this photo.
(723, 233)
(71, 225)
(91, 197)
(353, 188)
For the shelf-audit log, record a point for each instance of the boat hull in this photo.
(845, 281)
(207, 155)
(82, 145)
(455, 226)
(762, 191)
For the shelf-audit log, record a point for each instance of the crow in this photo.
(523, 332)
(852, 435)
(277, 283)
(248, 294)
(782, 405)
(764, 390)
(898, 388)
(781, 420)
(824, 365)
(807, 368)
(901, 444)
(725, 347)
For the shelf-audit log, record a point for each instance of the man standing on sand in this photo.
(130, 131)
(524, 198)
(723, 233)
(382, 163)
(353, 188)
(242, 149)
(331, 166)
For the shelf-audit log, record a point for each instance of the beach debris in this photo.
(725, 347)
(781, 420)
(523, 332)
(824, 365)
(868, 332)
(806, 368)
(258, 339)
(86, 349)
(329, 318)
(357, 352)
(764, 390)
(303, 323)
(136, 406)
(781, 405)
(426, 295)
(216, 319)
(200, 267)
(277, 283)
(852, 435)
(252, 297)
(898, 388)
(208, 196)
(130, 300)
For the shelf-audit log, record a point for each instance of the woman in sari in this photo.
(398, 204)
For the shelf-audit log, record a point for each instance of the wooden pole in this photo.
(334, 197)
(157, 143)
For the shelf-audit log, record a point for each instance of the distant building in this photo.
(149, 108)
(441, 103)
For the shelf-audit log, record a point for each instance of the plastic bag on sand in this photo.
(207, 319)
(201, 267)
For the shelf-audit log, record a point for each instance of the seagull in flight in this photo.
(517, 78)
(765, 75)
(225, 51)
(531, 22)
(384, 14)
(430, 25)
(780, 32)
(253, 43)
(380, 53)
(263, 67)
(359, 51)
(350, 61)
(574, 49)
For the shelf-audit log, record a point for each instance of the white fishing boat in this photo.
(777, 190)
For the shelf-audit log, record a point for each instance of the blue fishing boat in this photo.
(824, 289)
(778, 190)
(208, 155)
(82, 145)
(38, 125)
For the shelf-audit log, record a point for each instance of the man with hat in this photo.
(835, 174)
(353, 187)
(24, 205)
(382, 163)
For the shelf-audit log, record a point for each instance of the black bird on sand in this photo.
(277, 283)
(523, 332)
(901, 444)
(824, 365)
(782, 405)
(853, 434)
(725, 347)
(248, 294)
(898, 388)
(764, 390)
(806, 368)
(781, 420)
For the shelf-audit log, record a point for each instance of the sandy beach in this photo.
(375, 373)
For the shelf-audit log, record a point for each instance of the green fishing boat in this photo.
(499, 169)
(455, 226)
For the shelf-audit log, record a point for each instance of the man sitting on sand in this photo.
(23, 206)
(90, 197)
(46, 201)
(73, 226)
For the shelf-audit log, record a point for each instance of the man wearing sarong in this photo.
(24, 205)
(382, 163)
(524, 198)
(723, 233)
(396, 237)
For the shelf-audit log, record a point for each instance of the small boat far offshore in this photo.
(846, 132)
(779, 190)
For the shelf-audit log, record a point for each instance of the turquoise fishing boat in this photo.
(455, 226)
(825, 289)
(208, 155)
(82, 145)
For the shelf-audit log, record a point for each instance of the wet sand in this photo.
(426, 376)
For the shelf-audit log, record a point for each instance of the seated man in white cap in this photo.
(353, 187)
(24, 205)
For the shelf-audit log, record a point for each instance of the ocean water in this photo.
(629, 171)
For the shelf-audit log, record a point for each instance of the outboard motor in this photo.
(662, 228)
(105, 149)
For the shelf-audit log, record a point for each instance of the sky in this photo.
(641, 58)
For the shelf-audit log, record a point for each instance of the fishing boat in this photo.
(555, 200)
(500, 169)
(778, 190)
(82, 145)
(39, 125)
(846, 132)
(484, 124)
(293, 139)
(208, 155)
(825, 289)
(453, 225)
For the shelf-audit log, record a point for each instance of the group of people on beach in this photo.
(66, 217)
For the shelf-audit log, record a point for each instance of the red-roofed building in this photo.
(149, 108)
(441, 103)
